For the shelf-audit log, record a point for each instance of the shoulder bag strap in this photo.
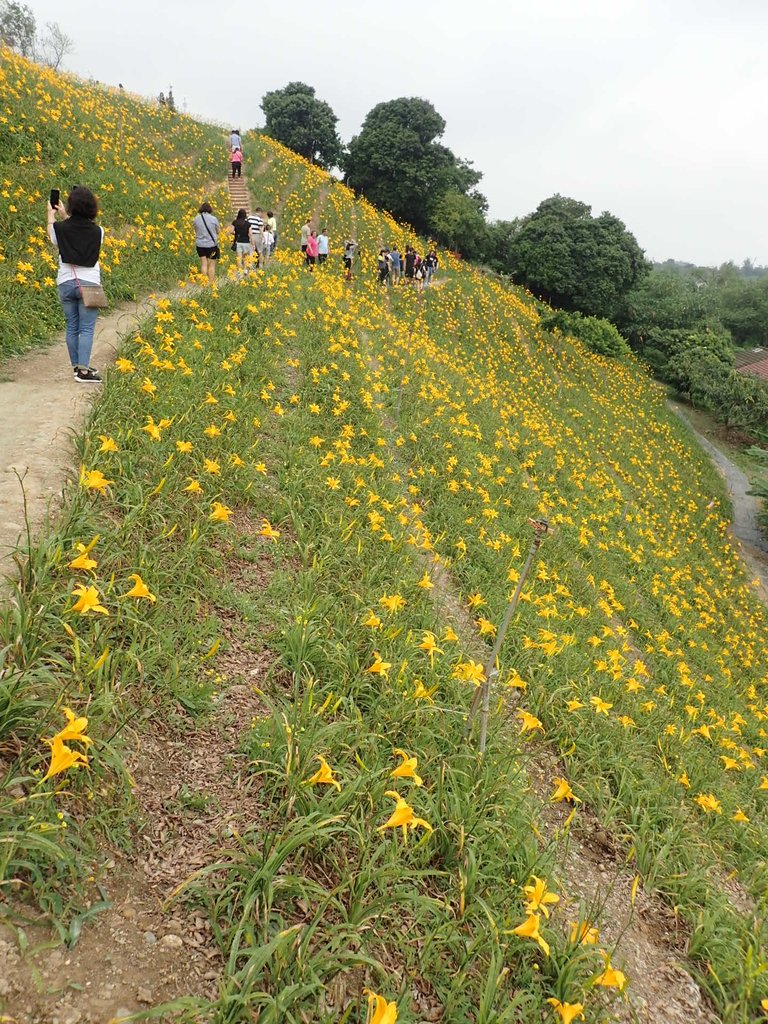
(210, 233)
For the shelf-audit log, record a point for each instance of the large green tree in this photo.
(397, 162)
(576, 261)
(307, 125)
(17, 27)
(457, 221)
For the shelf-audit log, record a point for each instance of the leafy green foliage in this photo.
(574, 260)
(303, 123)
(18, 27)
(457, 221)
(710, 383)
(598, 335)
(398, 163)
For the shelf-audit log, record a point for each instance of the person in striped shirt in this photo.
(256, 230)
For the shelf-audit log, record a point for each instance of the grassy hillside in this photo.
(149, 168)
(326, 490)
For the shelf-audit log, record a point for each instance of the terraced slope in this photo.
(303, 506)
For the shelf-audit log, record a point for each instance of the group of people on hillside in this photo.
(254, 238)
(315, 247)
(72, 228)
(396, 267)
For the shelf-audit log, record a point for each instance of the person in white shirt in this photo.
(267, 242)
(323, 247)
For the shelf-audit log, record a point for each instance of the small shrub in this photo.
(598, 335)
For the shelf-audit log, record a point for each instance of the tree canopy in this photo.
(576, 261)
(307, 125)
(398, 163)
(18, 28)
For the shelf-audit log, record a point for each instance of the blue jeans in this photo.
(81, 322)
(428, 276)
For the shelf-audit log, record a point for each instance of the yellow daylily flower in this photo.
(220, 513)
(538, 896)
(88, 600)
(74, 729)
(611, 978)
(708, 802)
(563, 791)
(94, 480)
(568, 1012)
(529, 722)
(323, 776)
(407, 768)
(584, 933)
(529, 929)
(140, 589)
(429, 644)
(62, 757)
(379, 667)
(379, 1010)
(601, 706)
(83, 559)
(403, 816)
(267, 530)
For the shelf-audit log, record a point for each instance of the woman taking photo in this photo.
(78, 238)
(207, 241)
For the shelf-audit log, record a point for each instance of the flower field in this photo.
(377, 457)
(149, 168)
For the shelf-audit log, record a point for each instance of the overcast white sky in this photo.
(652, 109)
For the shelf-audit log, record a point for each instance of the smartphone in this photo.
(55, 197)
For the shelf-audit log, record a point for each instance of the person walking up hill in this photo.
(207, 229)
(242, 231)
(237, 163)
(306, 230)
(350, 248)
(78, 238)
(323, 247)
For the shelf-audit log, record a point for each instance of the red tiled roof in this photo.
(756, 369)
(746, 357)
(752, 362)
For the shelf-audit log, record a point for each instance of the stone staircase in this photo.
(239, 196)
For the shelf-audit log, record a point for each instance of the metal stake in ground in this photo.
(483, 692)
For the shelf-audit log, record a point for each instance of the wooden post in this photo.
(483, 692)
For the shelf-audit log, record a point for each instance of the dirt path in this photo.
(45, 407)
(753, 545)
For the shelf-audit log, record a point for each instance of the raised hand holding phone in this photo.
(55, 198)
